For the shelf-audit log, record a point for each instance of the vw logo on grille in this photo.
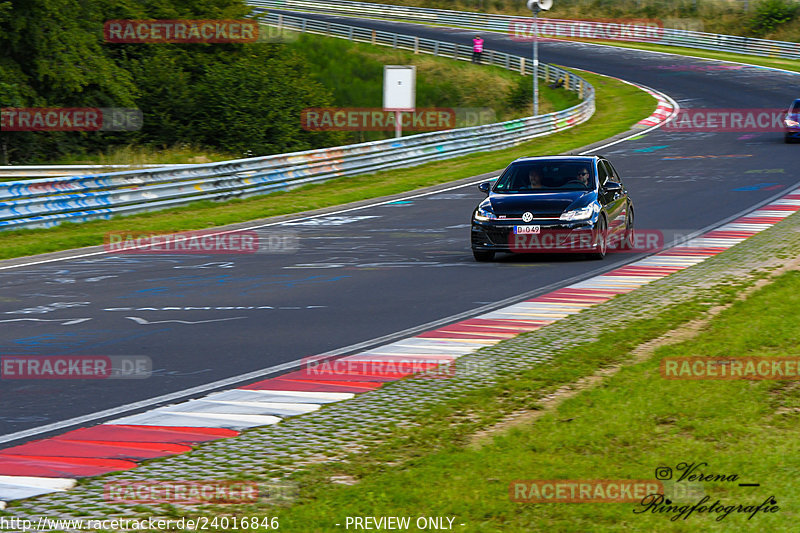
(527, 216)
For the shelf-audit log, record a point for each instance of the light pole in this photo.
(536, 6)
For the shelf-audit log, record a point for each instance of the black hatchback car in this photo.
(792, 122)
(553, 204)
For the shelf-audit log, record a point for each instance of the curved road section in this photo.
(349, 280)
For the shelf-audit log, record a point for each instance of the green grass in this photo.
(353, 72)
(619, 106)
(632, 423)
(146, 155)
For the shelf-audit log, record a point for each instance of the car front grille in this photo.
(498, 236)
(536, 216)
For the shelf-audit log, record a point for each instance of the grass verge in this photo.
(634, 422)
(353, 72)
(619, 106)
(133, 154)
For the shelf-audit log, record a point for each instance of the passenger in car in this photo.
(535, 179)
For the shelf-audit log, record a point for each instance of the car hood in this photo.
(539, 203)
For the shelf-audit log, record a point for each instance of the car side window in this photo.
(602, 173)
(613, 172)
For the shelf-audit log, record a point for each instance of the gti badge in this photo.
(527, 216)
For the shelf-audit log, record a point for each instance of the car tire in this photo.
(483, 256)
(601, 239)
(627, 242)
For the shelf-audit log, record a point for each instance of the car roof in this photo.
(582, 158)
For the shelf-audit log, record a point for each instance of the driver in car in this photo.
(583, 176)
(535, 179)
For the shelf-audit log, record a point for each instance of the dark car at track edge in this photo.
(792, 122)
(553, 204)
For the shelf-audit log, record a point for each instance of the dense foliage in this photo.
(771, 14)
(238, 98)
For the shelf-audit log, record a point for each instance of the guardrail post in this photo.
(350, 34)
(436, 48)
(580, 89)
(546, 73)
(328, 29)
(455, 52)
(416, 45)
(522, 65)
(373, 37)
(280, 23)
(394, 40)
(566, 80)
(303, 26)
(491, 57)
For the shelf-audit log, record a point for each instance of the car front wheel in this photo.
(627, 243)
(482, 256)
(600, 239)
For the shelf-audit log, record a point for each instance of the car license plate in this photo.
(524, 230)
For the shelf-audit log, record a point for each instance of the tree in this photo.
(253, 103)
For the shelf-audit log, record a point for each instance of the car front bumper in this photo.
(555, 236)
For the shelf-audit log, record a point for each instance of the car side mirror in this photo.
(485, 186)
(612, 186)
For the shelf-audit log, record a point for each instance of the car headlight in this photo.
(582, 213)
(791, 123)
(485, 213)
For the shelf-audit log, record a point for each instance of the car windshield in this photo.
(796, 107)
(545, 176)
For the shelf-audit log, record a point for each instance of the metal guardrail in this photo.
(48, 202)
(54, 171)
(559, 27)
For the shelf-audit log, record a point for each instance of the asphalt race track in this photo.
(353, 276)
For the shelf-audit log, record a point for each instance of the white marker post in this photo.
(399, 92)
(536, 6)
